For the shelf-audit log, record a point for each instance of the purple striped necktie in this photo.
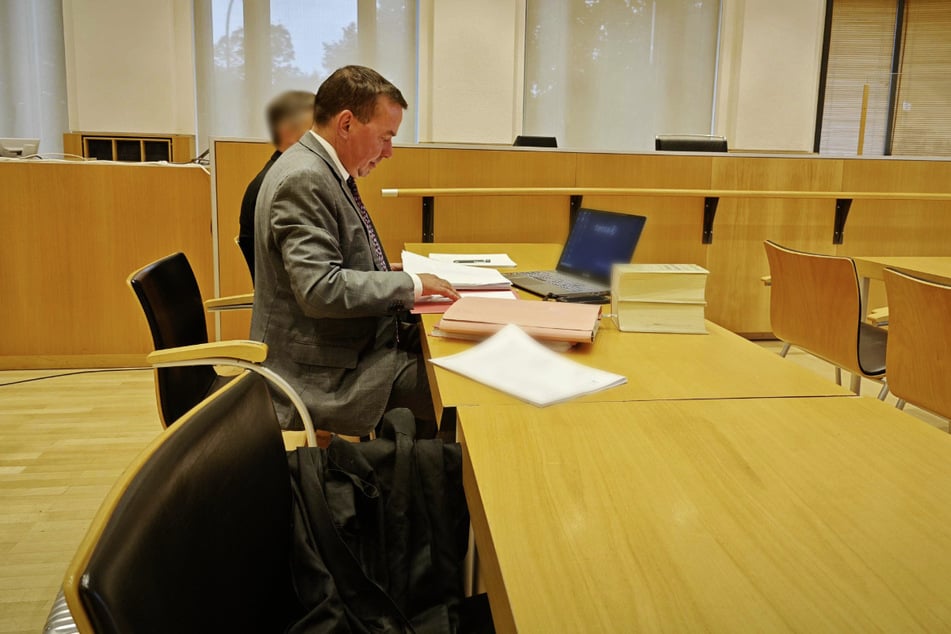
(381, 261)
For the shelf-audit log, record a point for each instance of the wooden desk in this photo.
(758, 515)
(657, 366)
(935, 269)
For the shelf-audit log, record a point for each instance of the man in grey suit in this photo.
(326, 299)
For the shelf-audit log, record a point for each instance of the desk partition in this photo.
(898, 207)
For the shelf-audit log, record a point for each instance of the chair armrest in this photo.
(230, 302)
(250, 351)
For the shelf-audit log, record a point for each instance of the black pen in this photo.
(471, 261)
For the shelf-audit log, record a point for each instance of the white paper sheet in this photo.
(474, 259)
(462, 277)
(514, 363)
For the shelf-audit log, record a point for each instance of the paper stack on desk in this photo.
(478, 317)
(659, 297)
(512, 362)
(462, 277)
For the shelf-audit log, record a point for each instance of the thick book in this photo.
(660, 282)
(512, 362)
(478, 317)
(671, 317)
(659, 298)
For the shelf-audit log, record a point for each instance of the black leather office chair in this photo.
(196, 536)
(171, 300)
(689, 143)
(183, 357)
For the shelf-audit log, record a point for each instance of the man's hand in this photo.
(433, 285)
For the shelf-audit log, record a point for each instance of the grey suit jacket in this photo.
(325, 312)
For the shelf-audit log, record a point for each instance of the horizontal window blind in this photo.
(860, 53)
(923, 109)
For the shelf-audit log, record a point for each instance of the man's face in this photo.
(293, 129)
(371, 142)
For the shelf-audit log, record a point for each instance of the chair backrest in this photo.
(170, 297)
(689, 143)
(523, 140)
(814, 304)
(196, 536)
(919, 341)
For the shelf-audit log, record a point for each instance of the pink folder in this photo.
(477, 317)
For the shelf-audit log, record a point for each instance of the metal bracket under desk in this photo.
(429, 219)
(709, 213)
(842, 206)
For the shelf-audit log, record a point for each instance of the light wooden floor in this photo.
(64, 441)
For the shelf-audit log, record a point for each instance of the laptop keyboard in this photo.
(561, 281)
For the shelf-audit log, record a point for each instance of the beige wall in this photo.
(768, 77)
(130, 65)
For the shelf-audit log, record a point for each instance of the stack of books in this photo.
(659, 297)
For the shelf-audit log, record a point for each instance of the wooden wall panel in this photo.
(673, 229)
(236, 165)
(501, 218)
(737, 298)
(74, 232)
(896, 227)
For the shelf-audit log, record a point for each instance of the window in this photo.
(907, 111)
(250, 51)
(612, 74)
(923, 102)
(861, 44)
(33, 73)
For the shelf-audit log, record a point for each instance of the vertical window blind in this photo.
(612, 74)
(249, 51)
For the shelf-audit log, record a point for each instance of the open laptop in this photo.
(597, 240)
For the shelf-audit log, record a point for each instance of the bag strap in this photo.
(346, 570)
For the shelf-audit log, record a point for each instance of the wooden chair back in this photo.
(815, 305)
(919, 341)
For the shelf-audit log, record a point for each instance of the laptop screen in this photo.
(597, 240)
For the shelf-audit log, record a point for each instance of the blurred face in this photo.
(364, 145)
(292, 130)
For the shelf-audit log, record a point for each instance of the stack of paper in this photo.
(512, 362)
(478, 317)
(659, 297)
(461, 277)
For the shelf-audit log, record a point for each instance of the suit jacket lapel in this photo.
(314, 146)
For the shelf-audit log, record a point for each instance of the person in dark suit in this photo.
(327, 301)
(289, 116)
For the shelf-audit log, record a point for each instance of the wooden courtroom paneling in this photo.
(737, 299)
(736, 296)
(501, 218)
(236, 164)
(896, 227)
(673, 229)
(73, 233)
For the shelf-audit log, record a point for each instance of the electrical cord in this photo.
(62, 374)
